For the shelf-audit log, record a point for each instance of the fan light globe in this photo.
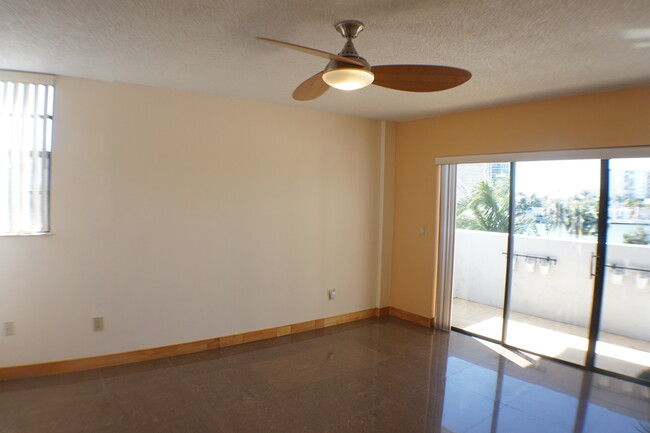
(348, 78)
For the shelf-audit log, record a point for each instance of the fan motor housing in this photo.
(350, 51)
(349, 28)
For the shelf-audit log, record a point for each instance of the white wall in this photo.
(565, 294)
(181, 216)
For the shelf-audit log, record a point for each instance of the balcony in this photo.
(550, 305)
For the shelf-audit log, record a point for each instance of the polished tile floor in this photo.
(376, 375)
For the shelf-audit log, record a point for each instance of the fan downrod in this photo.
(349, 29)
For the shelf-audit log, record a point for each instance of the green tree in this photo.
(486, 208)
(555, 215)
(577, 215)
(637, 237)
(582, 215)
(581, 218)
(523, 202)
(633, 202)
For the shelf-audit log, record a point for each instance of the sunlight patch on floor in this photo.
(552, 343)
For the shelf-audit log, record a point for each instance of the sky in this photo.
(558, 178)
(566, 178)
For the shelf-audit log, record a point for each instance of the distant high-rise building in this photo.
(498, 171)
(471, 174)
(626, 184)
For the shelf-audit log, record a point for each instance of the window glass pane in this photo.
(554, 242)
(480, 243)
(25, 143)
(624, 340)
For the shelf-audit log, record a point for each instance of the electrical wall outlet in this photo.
(10, 329)
(331, 294)
(98, 324)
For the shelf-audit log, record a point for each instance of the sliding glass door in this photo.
(624, 338)
(542, 264)
(481, 238)
(555, 236)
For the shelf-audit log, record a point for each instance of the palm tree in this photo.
(555, 216)
(486, 208)
(582, 216)
(576, 215)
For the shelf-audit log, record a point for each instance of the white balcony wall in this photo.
(626, 308)
(565, 293)
(480, 266)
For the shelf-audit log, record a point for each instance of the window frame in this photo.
(41, 137)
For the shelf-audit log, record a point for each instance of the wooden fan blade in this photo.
(311, 88)
(419, 78)
(312, 51)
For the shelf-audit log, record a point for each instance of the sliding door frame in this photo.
(598, 286)
(510, 253)
(601, 259)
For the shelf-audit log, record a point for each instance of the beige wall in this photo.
(618, 118)
(179, 216)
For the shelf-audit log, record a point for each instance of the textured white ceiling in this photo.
(517, 50)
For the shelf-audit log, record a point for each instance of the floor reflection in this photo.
(375, 376)
(490, 393)
(617, 353)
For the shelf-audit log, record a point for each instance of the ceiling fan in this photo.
(347, 70)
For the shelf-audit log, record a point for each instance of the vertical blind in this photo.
(26, 106)
(442, 318)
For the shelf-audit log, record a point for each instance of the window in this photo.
(555, 263)
(26, 105)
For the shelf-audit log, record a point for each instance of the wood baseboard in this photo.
(93, 362)
(411, 317)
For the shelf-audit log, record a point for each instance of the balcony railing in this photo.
(552, 279)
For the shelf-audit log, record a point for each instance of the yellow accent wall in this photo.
(608, 119)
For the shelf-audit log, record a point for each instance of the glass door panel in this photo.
(555, 237)
(623, 344)
(481, 236)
